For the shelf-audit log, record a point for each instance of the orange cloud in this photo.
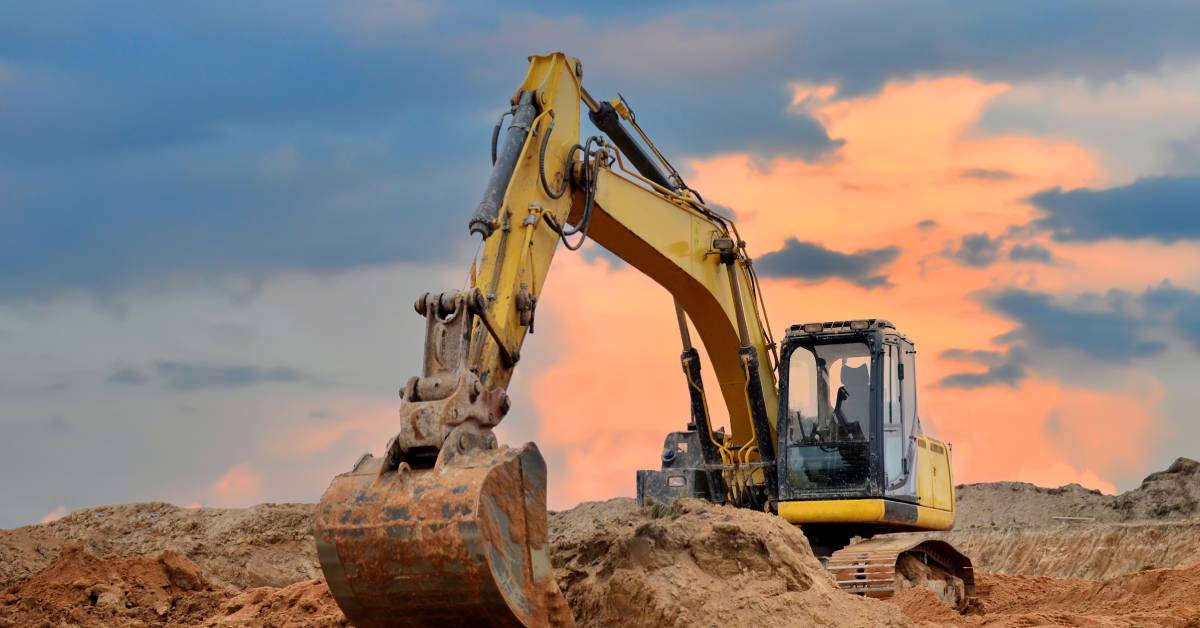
(54, 515)
(911, 153)
(239, 486)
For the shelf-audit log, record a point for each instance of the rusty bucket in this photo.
(460, 543)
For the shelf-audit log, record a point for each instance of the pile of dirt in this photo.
(267, 545)
(1170, 494)
(1160, 597)
(696, 564)
(78, 588)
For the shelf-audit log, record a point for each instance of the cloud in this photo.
(239, 486)
(814, 262)
(176, 375)
(1184, 155)
(1180, 306)
(978, 250)
(1002, 368)
(140, 150)
(127, 376)
(1030, 253)
(54, 515)
(199, 376)
(1165, 209)
(986, 174)
(927, 224)
(1105, 331)
(1118, 326)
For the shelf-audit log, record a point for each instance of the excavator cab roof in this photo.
(833, 328)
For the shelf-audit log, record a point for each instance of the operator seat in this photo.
(857, 407)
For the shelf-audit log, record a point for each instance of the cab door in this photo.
(891, 417)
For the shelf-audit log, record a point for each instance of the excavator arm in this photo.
(449, 526)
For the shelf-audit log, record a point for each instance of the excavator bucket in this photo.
(460, 543)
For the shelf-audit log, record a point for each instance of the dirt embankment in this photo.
(1170, 494)
(693, 565)
(267, 545)
(1071, 532)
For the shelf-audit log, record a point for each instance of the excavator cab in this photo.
(849, 429)
(851, 455)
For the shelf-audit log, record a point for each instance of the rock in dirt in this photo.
(697, 565)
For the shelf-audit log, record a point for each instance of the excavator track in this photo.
(460, 544)
(882, 567)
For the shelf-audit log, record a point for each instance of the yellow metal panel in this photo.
(866, 511)
(833, 511)
(922, 467)
(934, 519)
(935, 485)
(942, 484)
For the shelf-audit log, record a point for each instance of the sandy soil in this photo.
(1137, 564)
(1160, 597)
(697, 565)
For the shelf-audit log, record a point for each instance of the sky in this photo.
(214, 218)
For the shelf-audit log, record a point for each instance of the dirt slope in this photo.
(1170, 494)
(697, 565)
(1017, 528)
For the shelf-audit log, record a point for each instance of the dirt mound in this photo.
(696, 565)
(1160, 597)
(78, 588)
(1170, 494)
(305, 604)
(1081, 550)
(267, 545)
(922, 605)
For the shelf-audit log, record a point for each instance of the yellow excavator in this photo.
(450, 528)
